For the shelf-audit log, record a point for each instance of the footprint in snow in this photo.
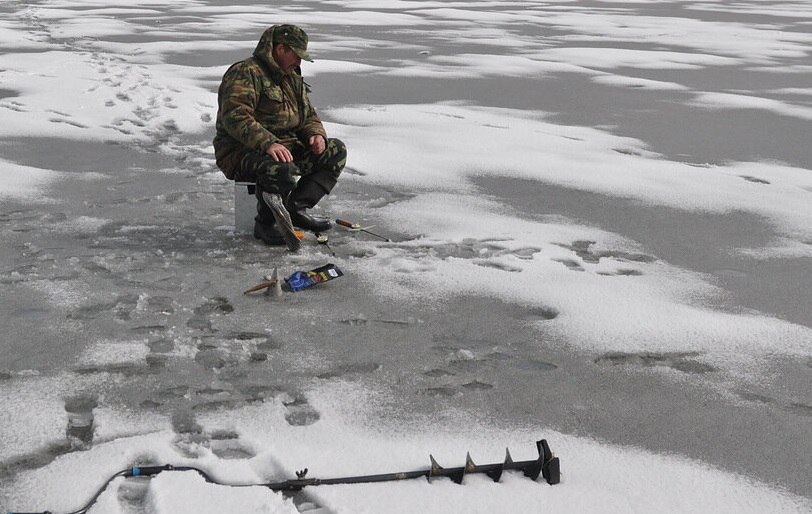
(680, 361)
(754, 180)
(227, 445)
(300, 413)
(340, 371)
(80, 426)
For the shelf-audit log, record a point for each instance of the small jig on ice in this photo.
(324, 240)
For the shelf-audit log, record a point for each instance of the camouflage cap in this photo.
(294, 37)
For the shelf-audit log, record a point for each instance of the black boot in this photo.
(265, 224)
(268, 234)
(306, 195)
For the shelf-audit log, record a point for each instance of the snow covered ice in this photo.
(602, 226)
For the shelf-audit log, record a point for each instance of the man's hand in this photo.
(279, 153)
(317, 144)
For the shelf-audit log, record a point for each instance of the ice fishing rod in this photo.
(358, 228)
(324, 240)
(547, 465)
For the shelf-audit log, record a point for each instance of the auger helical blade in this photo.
(470, 467)
(532, 468)
(495, 473)
(435, 469)
(457, 474)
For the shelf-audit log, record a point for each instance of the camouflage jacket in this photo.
(259, 105)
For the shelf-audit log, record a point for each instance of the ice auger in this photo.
(547, 465)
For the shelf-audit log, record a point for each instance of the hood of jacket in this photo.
(264, 54)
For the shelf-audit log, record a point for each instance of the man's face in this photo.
(286, 58)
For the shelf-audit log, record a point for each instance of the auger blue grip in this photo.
(146, 471)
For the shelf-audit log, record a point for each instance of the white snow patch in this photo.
(332, 66)
(107, 353)
(719, 101)
(169, 493)
(590, 57)
(85, 224)
(481, 65)
(637, 82)
(26, 182)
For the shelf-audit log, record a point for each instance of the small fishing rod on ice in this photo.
(547, 465)
(355, 227)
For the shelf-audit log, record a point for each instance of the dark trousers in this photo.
(323, 169)
(318, 175)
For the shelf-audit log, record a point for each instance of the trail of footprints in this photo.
(121, 82)
(488, 253)
(585, 255)
(468, 364)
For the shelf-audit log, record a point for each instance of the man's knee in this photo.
(270, 175)
(336, 147)
(337, 156)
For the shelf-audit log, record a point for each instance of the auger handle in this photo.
(550, 465)
(147, 471)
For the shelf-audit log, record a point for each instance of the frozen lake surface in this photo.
(601, 216)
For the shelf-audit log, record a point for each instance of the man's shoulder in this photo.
(244, 74)
(249, 66)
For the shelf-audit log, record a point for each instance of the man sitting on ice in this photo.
(269, 133)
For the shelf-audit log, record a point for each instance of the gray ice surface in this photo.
(161, 269)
